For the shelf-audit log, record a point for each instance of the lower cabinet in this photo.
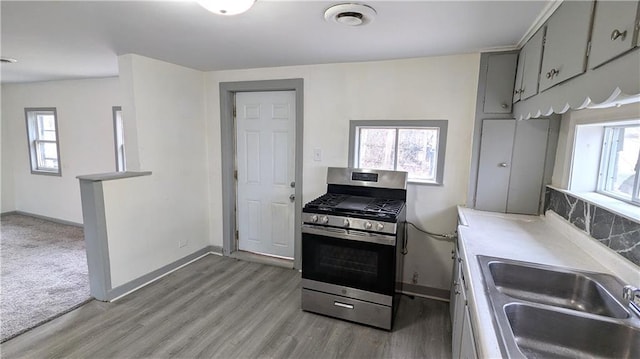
(467, 342)
(462, 343)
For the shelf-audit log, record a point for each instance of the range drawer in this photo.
(346, 308)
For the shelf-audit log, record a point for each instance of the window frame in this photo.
(605, 167)
(121, 160)
(442, 125)
(33, 140)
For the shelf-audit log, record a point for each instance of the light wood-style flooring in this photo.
(225, 308)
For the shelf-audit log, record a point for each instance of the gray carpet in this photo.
(44, 272)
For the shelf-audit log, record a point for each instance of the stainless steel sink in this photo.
(573, 290)
(544, 311)
(542, 333)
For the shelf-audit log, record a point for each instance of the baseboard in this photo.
(50, 219)
(426, 292)
(140, 282)
(262, 259)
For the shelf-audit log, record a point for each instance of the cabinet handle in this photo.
(503, 164)
(617, 34)
(504, 105)
(551, 74)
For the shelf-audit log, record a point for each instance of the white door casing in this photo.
(265, 150)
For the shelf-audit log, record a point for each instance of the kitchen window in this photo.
(118, 139)
(619, 164)
(44, 149)
(417, 147)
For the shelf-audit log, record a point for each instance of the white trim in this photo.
(542, 18)
(161, 276)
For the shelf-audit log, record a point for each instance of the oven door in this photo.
(354, 259)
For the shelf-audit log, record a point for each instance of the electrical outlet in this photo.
(414, 280)
(317, 154)
(183, 243)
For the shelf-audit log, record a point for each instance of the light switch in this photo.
(317, 154)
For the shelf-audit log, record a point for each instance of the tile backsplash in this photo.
(618, 233)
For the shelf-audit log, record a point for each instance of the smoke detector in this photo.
(350, 14)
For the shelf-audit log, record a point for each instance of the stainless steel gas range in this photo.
(353, 245)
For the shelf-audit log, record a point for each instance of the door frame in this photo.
(228, 143)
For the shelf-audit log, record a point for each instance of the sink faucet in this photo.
(631, 295)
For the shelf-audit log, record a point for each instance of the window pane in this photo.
(377, 148)
(46, 127)
(47, 155)
(418, 152)
(623, 161)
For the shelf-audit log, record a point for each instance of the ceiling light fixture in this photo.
(7, 60)
(350, 14)
(226, 7)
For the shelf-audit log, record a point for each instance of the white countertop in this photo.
(540, 239)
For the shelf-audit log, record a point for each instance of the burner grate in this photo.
(327, 201)
(386, 206)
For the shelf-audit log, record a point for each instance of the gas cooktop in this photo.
(343, 204)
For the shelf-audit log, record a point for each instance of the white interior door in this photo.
(265, 148)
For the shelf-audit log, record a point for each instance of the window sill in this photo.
(424, 183)
(46, 173)
(613, 205)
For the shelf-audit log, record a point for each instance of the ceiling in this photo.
(55, 40)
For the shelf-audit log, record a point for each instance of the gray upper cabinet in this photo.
(494, 168)
(517, 89)
(529, 64)
(501, 72)
(512, 165)
(613, 30)
(567, 38)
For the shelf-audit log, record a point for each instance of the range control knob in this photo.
(368, 225)
(380, 226)
(346, 223)
(324, 219)
(314, 218)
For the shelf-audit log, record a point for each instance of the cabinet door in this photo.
(458, 316)
(613, 27)
(532, 63)
(527, 166)
(565, 47)
(467, 342)
(453, 293)
(517, 89)
(501, 72)
(496, 146)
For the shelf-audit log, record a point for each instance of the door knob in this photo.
(292, 184)
(292, 197)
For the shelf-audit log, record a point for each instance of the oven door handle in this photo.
(349, 234)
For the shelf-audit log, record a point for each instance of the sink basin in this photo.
(572, 290)
(542, 311)
(541, 333)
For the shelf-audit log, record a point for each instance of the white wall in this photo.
(148, 216)
(85, 126)
(420, 89)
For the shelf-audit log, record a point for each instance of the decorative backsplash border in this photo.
(618, 233)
